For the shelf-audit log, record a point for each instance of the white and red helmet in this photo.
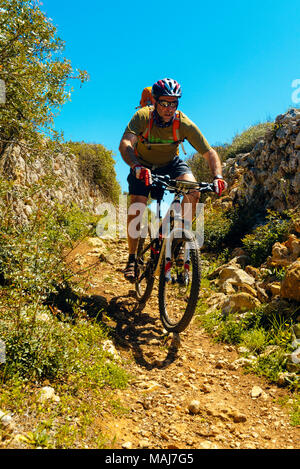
(166, 87)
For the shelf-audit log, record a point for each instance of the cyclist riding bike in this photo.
(150, 144)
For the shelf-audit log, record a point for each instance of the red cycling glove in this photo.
(220, 185)
(143, 174)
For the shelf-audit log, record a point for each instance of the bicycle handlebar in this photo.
(177, 185)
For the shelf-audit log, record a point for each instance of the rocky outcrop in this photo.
(66, 185)
(243, 287)
(290, 287)
(269, 176)
(236, 287)
(283, 254)
(266, 178)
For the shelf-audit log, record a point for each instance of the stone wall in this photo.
(67, 184)
(269, 176)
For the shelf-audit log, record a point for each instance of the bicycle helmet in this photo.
(166, 87)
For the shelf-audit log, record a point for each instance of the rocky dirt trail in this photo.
(188, 393)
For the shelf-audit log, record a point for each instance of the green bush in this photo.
(34, 270)
(43, 347)
(76, 223)
(254, 339)
(230, 329)
(217, 226)
(31, 255)
(295, 411)
(271, 365)
(225, 328)
(258, 244)
(266, 333)
(245, 142)
(97, 165)
(36, 349)
(225, 228)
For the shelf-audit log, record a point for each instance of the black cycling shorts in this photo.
(176, 168)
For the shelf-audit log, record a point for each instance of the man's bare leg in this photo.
(135, 214)
(133, 226)
(189, 202)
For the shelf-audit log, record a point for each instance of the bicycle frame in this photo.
(166, 239)
(173, 218)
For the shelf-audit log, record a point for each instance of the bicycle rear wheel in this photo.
(144, 267)
(179, 283)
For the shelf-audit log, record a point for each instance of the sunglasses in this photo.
(166, 104)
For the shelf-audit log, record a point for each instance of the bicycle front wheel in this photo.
(179, 283)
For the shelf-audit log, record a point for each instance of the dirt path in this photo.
(187, 394)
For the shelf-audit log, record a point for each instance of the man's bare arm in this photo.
(126, 149)
(214, 162)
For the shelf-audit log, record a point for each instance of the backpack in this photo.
(146, 98)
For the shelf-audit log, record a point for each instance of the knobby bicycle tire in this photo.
(144, 273)
(184, 319)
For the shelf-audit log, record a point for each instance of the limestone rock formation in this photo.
(269, 176)
(290, 287)
(68, 186)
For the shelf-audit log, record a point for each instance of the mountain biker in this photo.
(150, 145)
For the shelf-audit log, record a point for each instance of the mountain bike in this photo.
(172, 254)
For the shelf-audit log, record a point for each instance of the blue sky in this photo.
(235, 59)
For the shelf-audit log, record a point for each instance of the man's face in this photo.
(166, 113)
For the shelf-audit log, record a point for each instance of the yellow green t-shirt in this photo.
(162, 150)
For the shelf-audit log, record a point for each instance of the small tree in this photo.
(35, 73)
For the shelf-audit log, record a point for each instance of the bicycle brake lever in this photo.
(206, 187)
